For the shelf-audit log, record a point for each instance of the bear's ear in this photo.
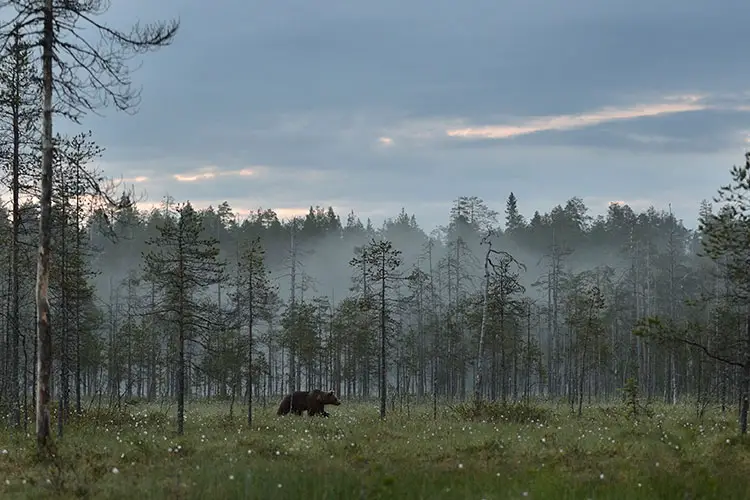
(330, 393)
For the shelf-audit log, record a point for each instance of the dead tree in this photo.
(488, 266)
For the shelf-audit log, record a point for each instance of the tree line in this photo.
(189, 304)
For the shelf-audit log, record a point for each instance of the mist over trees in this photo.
(187, 304)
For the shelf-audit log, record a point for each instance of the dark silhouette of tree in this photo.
(381, 262)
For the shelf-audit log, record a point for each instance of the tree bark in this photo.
(14, 257)
(478, 380)
(44, 327)
(250, 318)
(745, 383)
(383, 318)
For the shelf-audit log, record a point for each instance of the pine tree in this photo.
(181, 263)
(514, 221)
(382, 263)
(253, 289)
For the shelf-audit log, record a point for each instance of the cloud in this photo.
(714, 130)
(212, 172)
(625, 99)
(447, 60)
(139, 179)
(570, 122)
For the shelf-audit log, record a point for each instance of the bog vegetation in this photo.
(514, 453)
(497, 355)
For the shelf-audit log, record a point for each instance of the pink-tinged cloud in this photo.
(138, 179)
(212, 172)
(680, 104)
(263, 172)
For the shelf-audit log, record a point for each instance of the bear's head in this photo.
(328, 398)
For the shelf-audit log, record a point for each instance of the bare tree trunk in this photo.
(556, 342)
(64, 379)
(44, 327)
(745, 383)
(113, 372)
(292, 303)
(181, 340)
(672, 251)
(7, 330)
(25, 385)
(181, 380)
(78, 297)
(503, 354)
(250, 313)
(35, 356)
(478, 381)
(422, 374)
(550, 337)
(155, 347)
(527, 387)
(129, 340)
(14, 257)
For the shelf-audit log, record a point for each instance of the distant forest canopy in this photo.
(325, 242)
(470, 218)
(568, 225)
(644, 263)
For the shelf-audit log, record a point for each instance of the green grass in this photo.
(354, 455)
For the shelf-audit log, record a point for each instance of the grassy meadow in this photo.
(516, 452)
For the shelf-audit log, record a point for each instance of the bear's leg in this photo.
(285, 405)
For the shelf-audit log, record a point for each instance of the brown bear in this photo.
(311, 401)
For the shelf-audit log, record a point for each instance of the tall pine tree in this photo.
(181, 263)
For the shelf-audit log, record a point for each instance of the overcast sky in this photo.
(373, 106)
